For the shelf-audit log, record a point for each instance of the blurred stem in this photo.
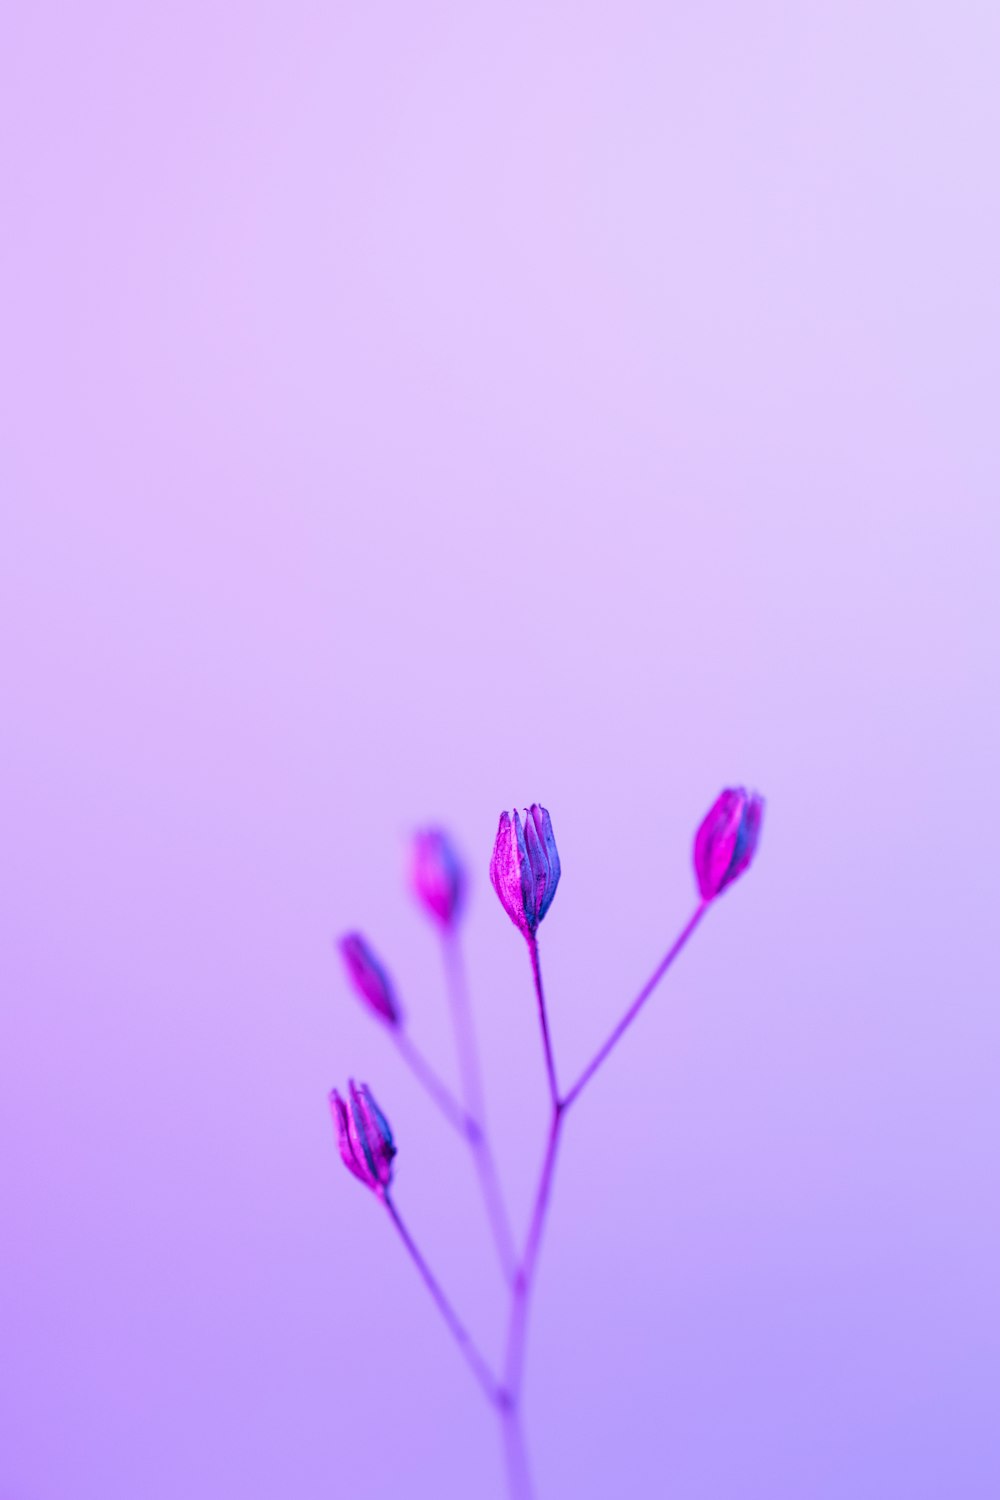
(494, 1392)
(445, 1100)
(472, 1093)
(515, 1454)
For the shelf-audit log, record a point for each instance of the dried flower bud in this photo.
(525, 867)
(363, 1136)
(370, 979)
(726, 841)
(437, 875)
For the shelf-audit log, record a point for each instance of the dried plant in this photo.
(525, 873)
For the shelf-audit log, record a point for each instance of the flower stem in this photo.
(517, 1329)
(495, 1393)
(518, 1473)
(472, 1092)
(636, 1006)
(445, 1100)
(515, 1454)
(505, 1396)
(550, 1065)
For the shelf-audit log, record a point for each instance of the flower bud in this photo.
(727, 840)
(363, 1136)
(525, 867)
(437, 875)
(370, 979)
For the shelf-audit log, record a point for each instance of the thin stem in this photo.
(505, 1396)
(550, 1065)
(461, 1015)
(520, 1302)
(517, 1329)
(495, 1393)
(635, 1007)
(515, 1454)
(439, 1092)
(472, 1091)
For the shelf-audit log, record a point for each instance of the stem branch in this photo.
(445, 1100)
(517, 1329)
(495, 1393)
(468, 1119)
(636, 1006)
(550, 1065)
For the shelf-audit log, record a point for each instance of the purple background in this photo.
(411, 409)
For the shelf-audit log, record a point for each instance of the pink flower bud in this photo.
(437, 875)
(364, 1137)
(727, 840)
(525, 867)
(370, 979)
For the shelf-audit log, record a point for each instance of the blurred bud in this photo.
(363, 1136)
(370, 979)
(437, 875)
(726, 841)
(525, 867)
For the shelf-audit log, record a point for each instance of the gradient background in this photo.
(411, 409)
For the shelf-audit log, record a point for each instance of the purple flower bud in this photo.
(437, 875)
(370, 979)
(525, 867)
(363, 1136)
(727, 840)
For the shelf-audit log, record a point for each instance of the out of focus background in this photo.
(409, 411)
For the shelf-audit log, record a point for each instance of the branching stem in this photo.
(506, 1395)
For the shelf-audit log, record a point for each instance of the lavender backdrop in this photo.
(411, 409)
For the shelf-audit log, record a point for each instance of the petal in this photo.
(537, 869)
(544, 824)
(437, 874)
(749, 835)
(499, 862)
(342, 1121)
(506, 867)
(525, 878)
(379, 1135)
(715, 840)
(359, 1133)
